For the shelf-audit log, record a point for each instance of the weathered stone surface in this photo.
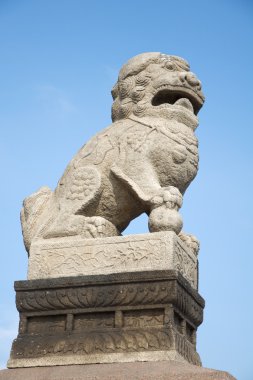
(136, 316)
(69, 257)
(143, 162)
(161, 370)
(94, 296)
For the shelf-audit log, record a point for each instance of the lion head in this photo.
(157, 85)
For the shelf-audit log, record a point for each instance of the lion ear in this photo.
(115, 91)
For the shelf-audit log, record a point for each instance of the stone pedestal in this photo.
(122, 317)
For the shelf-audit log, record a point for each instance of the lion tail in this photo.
(33, 207)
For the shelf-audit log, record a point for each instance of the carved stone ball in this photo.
(164, 219)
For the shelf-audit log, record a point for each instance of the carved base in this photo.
(138, 316)
(76, 256)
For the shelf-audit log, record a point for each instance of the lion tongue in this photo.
(184, 102)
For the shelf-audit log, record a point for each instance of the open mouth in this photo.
(178, 97)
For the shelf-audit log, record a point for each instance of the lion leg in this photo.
(84, 190)
(164, 215)
(164, 205)
(98, 227)
(87, 227)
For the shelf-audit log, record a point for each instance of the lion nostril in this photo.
(182, 77)
(199, 86)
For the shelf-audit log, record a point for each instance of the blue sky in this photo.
(59, 61)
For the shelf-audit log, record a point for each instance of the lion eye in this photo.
(170, 66)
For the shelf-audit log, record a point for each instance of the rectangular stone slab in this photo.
(136, 316)
(75, 256)
(161, 370)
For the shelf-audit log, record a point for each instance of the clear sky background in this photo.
(59, 61)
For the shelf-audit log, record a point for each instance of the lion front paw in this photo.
(164, 214)
(169, 196)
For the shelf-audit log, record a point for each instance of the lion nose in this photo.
(191, 79)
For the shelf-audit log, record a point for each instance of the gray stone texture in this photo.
(162, 370)
(72, 257)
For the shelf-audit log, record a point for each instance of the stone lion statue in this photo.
(142, 163)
